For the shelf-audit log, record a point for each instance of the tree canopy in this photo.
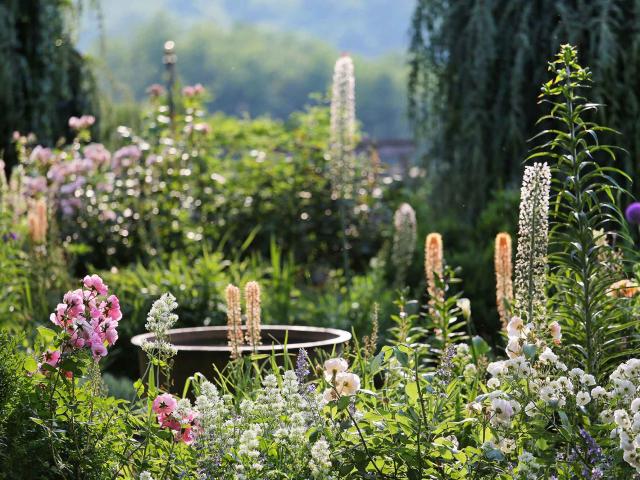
(476, 67)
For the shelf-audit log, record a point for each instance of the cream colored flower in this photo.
(464, 304)
(333, 367)
(347, 383)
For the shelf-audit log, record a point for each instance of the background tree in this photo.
(43, 79)
(475, 70)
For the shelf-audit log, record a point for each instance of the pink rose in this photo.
(94, 282)
(113, 308)
(164, 405)
(97, 347)
(51, 357)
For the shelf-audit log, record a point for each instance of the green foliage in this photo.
(43, 78)
(585, 209)
(471, 94)
(252, 71)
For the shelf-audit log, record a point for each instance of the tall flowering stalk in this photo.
(160, 320)
(504, 283)
(234, 320)
(342, 145)
(252, 298)
(434, 266)
(37, 221)
(343, 128)
(531, 255)
(404, 240)
(586, 196)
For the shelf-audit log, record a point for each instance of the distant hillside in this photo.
(365, 27)
(254, 70)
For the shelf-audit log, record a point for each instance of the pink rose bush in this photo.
(89, 319)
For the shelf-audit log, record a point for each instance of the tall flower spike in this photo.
(504, 283)
(252, 298)
(533, 233)
(159, 321)
(404, 240)
(234, 320)
(37, 220)
(433, 266)
(342, 140)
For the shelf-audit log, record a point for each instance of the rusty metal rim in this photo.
(339, 337)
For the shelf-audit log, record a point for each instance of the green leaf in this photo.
(343, 402)
(46, 334)
(30, 364)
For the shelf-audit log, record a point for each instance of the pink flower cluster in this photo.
(80, 123)
(181, 421)
(193, 90)
(90, 317)
(156, 90)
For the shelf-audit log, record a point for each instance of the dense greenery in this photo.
(43, 78)
(249, 70)
(472, 94)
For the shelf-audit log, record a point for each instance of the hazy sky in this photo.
(366, 27)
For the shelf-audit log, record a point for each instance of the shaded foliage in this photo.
(475, 70)
(43, 78)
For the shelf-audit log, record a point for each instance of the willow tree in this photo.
(43, 78)
(476, 67)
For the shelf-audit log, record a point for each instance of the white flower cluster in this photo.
(624, 397)
(531, 254)
(342, 139)
(268, 432)
(145, 476)
(534, 376)
(159, 321)
(404, 239)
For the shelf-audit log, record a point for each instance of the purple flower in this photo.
(9, 236)
(302, 365)
(633, 213)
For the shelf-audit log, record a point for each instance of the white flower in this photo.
(588, 380)
(464, 304)
(515, 327)
(582, 398)
(530, 409)
(621, 417)
(565, 383)
(502, 410)
(576, 372)
(145, 476)
(333, 367)
(497, 368)
(598, 392)
(635, 405)
(547, 356)
(347, 383)
(624, 388)
(625, 441)
(507, 445)
(606, 416)
(320, 462)
(493, 383)
(514, 349)
(159, 321)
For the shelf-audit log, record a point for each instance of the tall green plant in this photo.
(584, 208)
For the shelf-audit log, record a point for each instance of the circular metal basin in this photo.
(199, 348)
